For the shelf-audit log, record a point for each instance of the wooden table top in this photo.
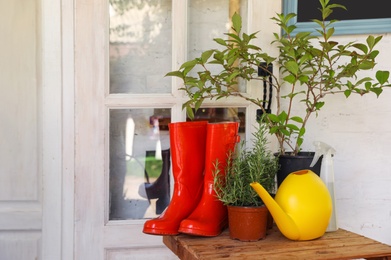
(340, 244)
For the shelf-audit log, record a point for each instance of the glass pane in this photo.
(139, 163)
(221, 114)
(209, 20)
(140, 158)
(140, 46)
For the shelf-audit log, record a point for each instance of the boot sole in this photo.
(160, 232)
(205, 233)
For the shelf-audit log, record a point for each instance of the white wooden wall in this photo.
(20, 168)
(360, 130)
(35, 181)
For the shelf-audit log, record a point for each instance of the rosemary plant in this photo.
(246, 166)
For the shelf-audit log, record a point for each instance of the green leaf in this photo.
(373, 54)
(302, 131)
(297, 119)
(292, 127)
(206, 55)
(303, 79)
(273, 118)
(290, 79)
(292, 67)
(273, 130)
(220, 41)
(198, 103)
(237, 22)
(332, 6)
(233, 75)
(285, 132)
(190, 112)
(368, 85)
(235, 37)
(371, 41)
(361, 47)
(282, 117)
(176, 73)
(382, 76)
(189, 64)
(302, 34)
(378, 38)
(231, 60)
(319, 105)
(289, 17)
(218, 56)
(330, 32)
(300, 141)
(377, 91)
(366, 65)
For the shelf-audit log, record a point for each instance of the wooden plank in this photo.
(341, 244)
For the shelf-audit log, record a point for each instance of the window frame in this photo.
(342, 27)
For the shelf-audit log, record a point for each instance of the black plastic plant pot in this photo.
(302, 161)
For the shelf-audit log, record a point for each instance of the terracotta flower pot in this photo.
(247, 223)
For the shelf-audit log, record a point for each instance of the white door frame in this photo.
(65, 144)
(57, 110)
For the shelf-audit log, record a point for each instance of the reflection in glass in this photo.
(139, 163)
(140, 158)
(140, 46)
(209, 20)
(221, 114)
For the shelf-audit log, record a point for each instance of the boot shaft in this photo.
(220, 141)
(187, 145)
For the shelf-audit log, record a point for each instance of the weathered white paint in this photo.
(42, 76)
(110, 239)
(19, 154)
(51, 131)
(359, 129)
(20, 148)
(68, 133)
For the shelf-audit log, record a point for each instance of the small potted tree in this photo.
(311, 67)
(245, 208)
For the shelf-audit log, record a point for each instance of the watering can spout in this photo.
(302, 206)
(284, 222)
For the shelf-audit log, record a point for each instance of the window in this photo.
(360, 17)
(147, 39)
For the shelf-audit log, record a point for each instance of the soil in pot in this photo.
(247, 223)
(302, 161)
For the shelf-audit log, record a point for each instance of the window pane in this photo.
(358, 9)
(209, 20)
(139, 163)
(221, 114)
(140, 158)
(140, 46)
(345, 26)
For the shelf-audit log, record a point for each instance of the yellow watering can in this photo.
(302, 205)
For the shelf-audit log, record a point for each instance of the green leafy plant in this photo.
(259, 164)
(311, 67)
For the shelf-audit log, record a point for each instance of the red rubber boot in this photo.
(187, 144)
(210, 216)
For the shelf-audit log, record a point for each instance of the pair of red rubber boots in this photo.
(194, 208)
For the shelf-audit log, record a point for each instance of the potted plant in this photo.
(311, 67)
(233, 189)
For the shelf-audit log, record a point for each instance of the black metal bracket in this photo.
(265, 71)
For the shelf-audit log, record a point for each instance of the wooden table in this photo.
(340, 244)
